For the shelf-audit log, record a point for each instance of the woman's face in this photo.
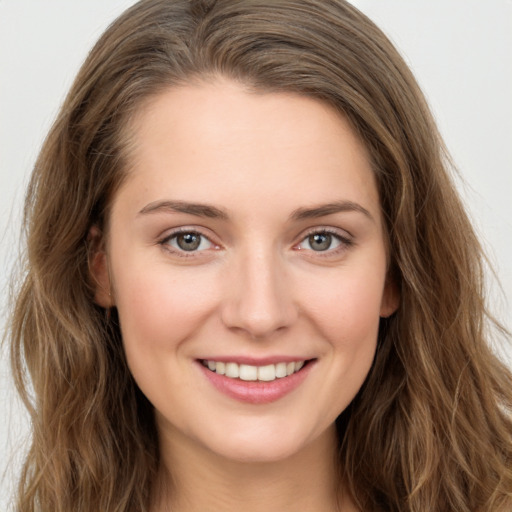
(247, 261)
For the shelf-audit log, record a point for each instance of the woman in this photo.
(239, 291)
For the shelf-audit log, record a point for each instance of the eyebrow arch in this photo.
(198, 209)
(328, 209)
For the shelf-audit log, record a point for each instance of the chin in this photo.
(268, 445)
(258, 452)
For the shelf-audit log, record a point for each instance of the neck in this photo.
(193, 479)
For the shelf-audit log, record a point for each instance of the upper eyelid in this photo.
(168, 234)
(339, 232)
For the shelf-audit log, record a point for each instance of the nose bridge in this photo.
(259, 298)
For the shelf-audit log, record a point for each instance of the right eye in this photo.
(187, 241)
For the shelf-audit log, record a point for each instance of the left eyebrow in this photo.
(323, 210)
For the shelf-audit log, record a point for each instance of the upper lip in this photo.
(255, 361)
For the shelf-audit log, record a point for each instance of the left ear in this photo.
(390, 297)
(99, 268)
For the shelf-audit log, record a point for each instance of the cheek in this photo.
(159, 308)
(347, 314)
(347, 306)
(159, 311)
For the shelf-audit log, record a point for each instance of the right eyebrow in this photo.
(197, 209)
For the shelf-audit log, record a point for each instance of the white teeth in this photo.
(249, 372)
(232, 370)
(280, 370)
(267, 373)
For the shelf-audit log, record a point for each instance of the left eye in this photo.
(320, 242)
(189, 241)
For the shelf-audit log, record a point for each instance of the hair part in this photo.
(431, 427)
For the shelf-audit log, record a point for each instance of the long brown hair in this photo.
(431, 427)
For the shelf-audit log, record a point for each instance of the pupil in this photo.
(188, 241)
(320, 241)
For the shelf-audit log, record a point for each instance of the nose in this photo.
(258, 297)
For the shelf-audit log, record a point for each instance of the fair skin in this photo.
(247, 232)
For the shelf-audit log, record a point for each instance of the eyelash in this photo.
(344, 242)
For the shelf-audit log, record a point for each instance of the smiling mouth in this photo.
(246, 372)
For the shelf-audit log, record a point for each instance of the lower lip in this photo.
(257, 392)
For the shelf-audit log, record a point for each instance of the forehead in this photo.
(213, 141)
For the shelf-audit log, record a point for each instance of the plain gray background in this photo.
(460, 51)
